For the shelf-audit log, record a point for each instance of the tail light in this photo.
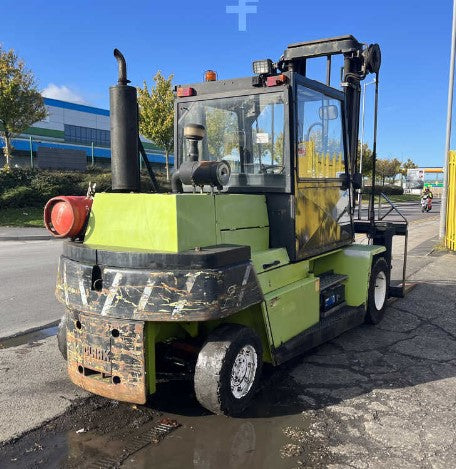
(183, 92)
(276, 80)
(66, 216)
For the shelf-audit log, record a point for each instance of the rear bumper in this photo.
(106, 356)
(216, 283)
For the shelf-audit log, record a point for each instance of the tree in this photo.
(156, 109)
(221, 131)
(367, 159)
(387, 168)
(409, 164)
(21, 104)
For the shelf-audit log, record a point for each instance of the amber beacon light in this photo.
(210, 75)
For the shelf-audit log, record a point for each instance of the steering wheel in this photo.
(311, 127)
(269, 168)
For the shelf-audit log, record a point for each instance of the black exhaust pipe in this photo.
(124, 132)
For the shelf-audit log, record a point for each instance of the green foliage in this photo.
(19, 197)
(14, 177)
(367, 159)
(409, 164)
(51, 184)
(33, 188)
(387, 189)
(21, 104)
(221, 131)
(156, 109)
(387, 168)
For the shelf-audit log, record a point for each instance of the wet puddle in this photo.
(29, 337)
(98, 433)
(220, 442)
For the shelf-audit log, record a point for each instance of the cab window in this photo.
(320, 142)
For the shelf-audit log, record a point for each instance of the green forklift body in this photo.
(177, 222)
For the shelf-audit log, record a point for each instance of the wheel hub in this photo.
(380, 290)
(243, 371)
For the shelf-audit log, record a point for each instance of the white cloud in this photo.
(63, 93)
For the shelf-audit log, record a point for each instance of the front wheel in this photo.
(228, 369)
(378, 291)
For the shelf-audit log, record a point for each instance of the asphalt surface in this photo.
(410, 210)
(28, 271)
(375, 397)
(34, 387)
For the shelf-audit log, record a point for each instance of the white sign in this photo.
(262, 138)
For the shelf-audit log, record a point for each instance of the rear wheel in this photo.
(228, 369)
(378, 291)
(62, 336)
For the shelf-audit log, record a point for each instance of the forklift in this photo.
(251, 259)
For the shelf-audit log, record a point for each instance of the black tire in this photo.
(214, 368)
(378, 291)
(62, 336)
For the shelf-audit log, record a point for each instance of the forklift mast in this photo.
(359, 61)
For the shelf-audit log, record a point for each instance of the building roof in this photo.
(76, 107)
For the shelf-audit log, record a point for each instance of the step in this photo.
(326, 329)
(329, 280)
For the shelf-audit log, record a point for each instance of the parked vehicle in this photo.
(251, 259)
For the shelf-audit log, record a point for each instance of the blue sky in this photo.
(69, 47)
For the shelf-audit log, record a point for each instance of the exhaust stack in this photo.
(124, 132)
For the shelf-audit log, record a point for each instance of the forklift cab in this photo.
(282, 136)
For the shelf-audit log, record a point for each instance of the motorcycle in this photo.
(426, 203)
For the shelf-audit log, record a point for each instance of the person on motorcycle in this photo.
(427, 193)
(426, 200)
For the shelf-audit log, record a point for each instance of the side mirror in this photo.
(357, 181)
(345, 181)
(329, 112)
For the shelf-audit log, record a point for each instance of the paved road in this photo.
(27, 281)
(410, 210)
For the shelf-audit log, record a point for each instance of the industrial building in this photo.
(72, 136)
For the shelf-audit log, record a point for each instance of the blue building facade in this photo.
(71, 126)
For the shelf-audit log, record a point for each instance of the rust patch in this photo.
(106, 356)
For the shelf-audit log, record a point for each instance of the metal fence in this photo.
(450, 232)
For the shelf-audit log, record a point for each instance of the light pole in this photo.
(362, 143)
(443, 203)
(31, 151)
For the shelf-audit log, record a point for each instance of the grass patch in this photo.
(32, 216)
